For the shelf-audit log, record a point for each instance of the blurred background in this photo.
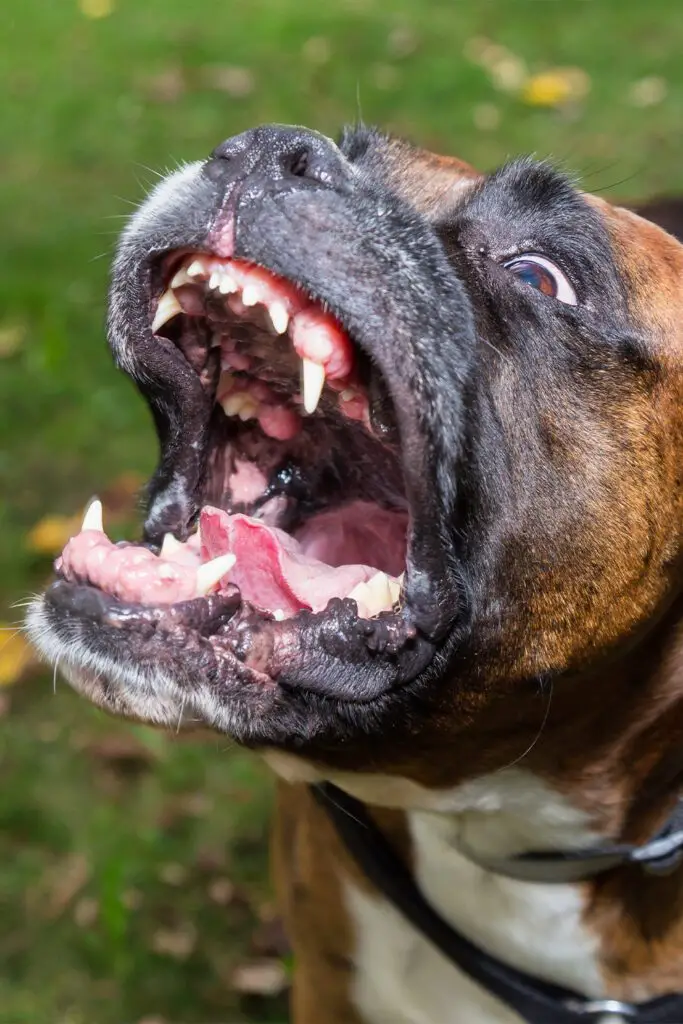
(133, 882)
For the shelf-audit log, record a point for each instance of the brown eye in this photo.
(543, 275)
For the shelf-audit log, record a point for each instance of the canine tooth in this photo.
(182, 277)
(278, 615)
(215, 279)
(211, 573)
(228, 284)
(312, 382)
(196, 269)
(170, 546)
(92, 520)
(168, 308)
(279, 317)
(250, 295)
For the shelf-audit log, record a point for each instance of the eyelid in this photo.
(565, 290)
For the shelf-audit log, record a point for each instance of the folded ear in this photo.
(666, 213)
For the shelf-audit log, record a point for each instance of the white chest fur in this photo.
(402, 979)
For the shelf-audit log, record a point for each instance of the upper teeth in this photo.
(168, 308)
(279, 316)
(312, 382)
(197, 269)
(221, 278)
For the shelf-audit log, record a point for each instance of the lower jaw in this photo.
(214, 649)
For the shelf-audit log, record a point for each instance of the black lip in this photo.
(333, 654)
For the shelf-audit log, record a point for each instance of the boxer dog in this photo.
(417, 531)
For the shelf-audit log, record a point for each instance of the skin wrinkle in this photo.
(541, 446)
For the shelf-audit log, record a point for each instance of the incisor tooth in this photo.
(211, 573)
(92, 520)
(215, 279)
(250, 295)
(312, 382)
(278, 615)
(170, 546)
(227, 285)
(279, 317)
(168, 308)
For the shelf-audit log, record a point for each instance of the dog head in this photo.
(429, 421)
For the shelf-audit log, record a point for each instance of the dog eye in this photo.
(543, 275)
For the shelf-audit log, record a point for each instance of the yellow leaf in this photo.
(15, 655)
(556, 87)
(49, 536)
(96, 8)
(12, 337)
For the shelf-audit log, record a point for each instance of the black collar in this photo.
(534, 1000)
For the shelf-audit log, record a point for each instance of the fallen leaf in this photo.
(173, 874)
(121, 751)
(167, 86)
(221, 891)
(648, 92)
(12, 337)
(385, 77)
(64, 882)
(402, 42)
(132, 899)
(509, 73)
(259, 978)
(486, 117)
(317, 50)
(96, 9)
(120, 497)
(86, 912)
(49, 536)
(16, 656)
(269, 938)
(178, 943)
(236, 82)
(556, 87)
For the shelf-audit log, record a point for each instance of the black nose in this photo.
(278, 152)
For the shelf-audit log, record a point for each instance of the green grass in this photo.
(92, 110)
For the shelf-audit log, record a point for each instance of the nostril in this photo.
(297, 164)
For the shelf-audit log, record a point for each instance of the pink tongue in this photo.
(271, 569)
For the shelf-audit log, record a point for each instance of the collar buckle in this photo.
(606, 1011)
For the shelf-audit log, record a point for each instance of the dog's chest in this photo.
(402, 979)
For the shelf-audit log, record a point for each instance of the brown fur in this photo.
(628, 709)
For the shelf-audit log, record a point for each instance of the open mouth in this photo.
(304, 507)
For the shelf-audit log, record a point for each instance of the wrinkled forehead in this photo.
(648, 260)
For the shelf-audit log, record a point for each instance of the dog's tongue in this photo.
(272, 569)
